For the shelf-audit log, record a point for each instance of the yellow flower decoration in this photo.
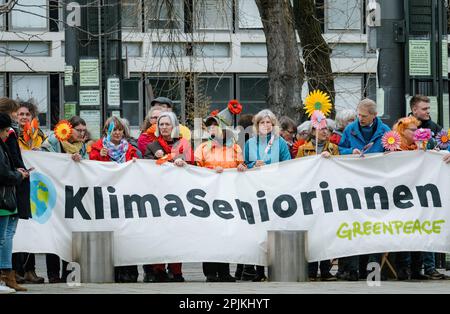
(318, 100)
(63, 130)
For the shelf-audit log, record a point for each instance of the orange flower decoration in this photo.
(30, 130)
(63, 130)
(151, 130)
(165, 159)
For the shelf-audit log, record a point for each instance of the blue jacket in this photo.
(352, 138)
(255, 150)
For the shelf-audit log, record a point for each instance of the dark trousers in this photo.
(216, 269)
(325, 267)
(54, 267)
(260, 271)
(174, 268)
(23, 262)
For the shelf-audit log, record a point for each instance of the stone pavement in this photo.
(195, 285)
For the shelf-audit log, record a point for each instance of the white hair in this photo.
(369, 104)
(343, 117)
(173, 120)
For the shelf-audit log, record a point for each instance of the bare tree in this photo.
(316, 51)
(284, 67)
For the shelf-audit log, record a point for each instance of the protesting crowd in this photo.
(267, 139)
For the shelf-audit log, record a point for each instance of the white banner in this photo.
(349, 205)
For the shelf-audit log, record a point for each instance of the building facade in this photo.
(219, 49)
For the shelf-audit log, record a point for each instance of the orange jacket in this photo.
(211, 155)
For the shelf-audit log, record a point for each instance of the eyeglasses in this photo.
(154, 118)
(80, 130)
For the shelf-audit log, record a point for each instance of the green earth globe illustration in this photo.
(43, 197)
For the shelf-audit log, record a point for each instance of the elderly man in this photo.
(361, 136)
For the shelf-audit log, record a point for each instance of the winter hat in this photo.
(5, 120)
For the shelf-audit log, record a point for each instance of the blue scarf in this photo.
(117, 153)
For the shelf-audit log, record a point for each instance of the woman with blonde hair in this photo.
(264, 148)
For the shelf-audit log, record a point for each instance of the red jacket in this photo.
(145, 139)
(97, 147)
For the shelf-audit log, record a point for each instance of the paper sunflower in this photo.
(443, 139)
(318, 120)
(391, 141)
(63, 130)
(317, 100)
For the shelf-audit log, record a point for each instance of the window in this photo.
(348, 51)
(33, 88)
(252, 93)
(131, 14)
(248, 15)
(217, 50)
(168, 50)
(25, 49)
(131, 49)
(164, 14)
(348, 91)
(216, 89)
(249, 50)
(2, 85)
(131, 109)
(344, 15)
(2, 17)
(370, 89)
(30, 15)
(213, 14)
(170, 87)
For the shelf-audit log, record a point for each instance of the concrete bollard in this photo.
(94, 252)
(287, 256)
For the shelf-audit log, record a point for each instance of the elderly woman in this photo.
(10, 177)
(169, 143)
(325, 149)
(343, 118)
(171, 147)
(76, 147)
(148, 128)
(113, 146)
(264, 148)
(26, 113)
(219, 152)
(288, 132)
(409, 264)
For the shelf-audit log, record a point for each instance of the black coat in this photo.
(22, 190)
(9, 178)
